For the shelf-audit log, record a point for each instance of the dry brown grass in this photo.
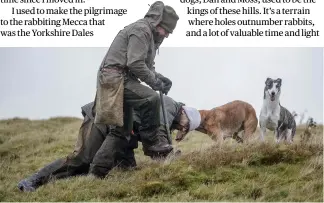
(205, 171)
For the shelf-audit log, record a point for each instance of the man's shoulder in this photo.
(140, 26)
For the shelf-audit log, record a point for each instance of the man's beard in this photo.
(158, 39)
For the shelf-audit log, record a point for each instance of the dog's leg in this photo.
(249, 129)
(289, 136)
(262, 133)
(237, 138)
(263, 123)
(277, 136)
(281, 135)
(216, 135)
(286, 136)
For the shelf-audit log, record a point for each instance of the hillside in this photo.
(204, 172)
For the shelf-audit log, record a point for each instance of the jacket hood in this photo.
(155, 13)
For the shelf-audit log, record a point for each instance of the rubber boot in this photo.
(41, 177)
(155, 143)
(28, 184)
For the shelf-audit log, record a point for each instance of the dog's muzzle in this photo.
(272, 96)
(181, 134)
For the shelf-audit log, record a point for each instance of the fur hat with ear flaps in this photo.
(169, 19)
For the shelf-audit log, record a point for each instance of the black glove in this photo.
(161, 86)
(158, 85)
(166, 81)
(167, 84)
(166, 88)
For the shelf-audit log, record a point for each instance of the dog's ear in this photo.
(279, 80)
(267, 80)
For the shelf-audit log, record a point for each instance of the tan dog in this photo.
(222, 122)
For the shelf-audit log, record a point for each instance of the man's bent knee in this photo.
(154, 100)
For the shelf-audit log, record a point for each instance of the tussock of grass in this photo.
(205, 171)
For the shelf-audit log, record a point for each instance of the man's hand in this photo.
(166, 81)
(158, 85)
(161, 86)
(166, 89)
(167, 85)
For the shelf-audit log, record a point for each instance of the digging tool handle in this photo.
(166, 122)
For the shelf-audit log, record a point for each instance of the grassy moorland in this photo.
(205, 171)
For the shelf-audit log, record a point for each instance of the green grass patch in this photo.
(262, 172)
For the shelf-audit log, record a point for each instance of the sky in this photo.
(39, 83)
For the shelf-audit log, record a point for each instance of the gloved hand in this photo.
(166, 81)
(161, 86)
(166, 89)
(158, 85)
(168, 84)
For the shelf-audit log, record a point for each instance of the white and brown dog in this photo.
(273, 116)
(220, 122)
